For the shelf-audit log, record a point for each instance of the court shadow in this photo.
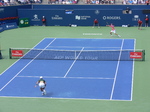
(49, 94)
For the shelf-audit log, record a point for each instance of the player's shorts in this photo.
(113, 31)
(41, 85)
(139, 24)
(96, 24)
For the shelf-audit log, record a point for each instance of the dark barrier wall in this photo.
(82, 17)
(10, 11)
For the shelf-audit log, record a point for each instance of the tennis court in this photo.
(73, 78)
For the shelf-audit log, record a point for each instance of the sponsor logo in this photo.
(135, 18)
(17, 53)
(97, 12)
(35, 18)
(82, 17)
(1, 9)
(136, 55)
(56, 17)
(77, 17)
(1, 28)
(111, 18)
(10, 26)
(79, 58)
(22, 21)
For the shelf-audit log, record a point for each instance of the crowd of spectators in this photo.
(7, 2)
(62, 1)
(124, 2)
(17, 2)
(100, 1)
(132, 2)
(28, 1)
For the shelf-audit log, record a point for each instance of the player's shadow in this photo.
(49, 94)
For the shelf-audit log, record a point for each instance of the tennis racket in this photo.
(107, 23)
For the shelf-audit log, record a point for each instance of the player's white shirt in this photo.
(41, 85)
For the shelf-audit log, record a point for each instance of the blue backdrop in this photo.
(81, 17)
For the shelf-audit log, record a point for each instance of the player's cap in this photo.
(41, 77)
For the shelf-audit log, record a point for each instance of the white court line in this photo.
(78, 47)
(116, 73)
(18, 60)
(73, 63)
(92, 34)
(133, 72)
(62, 98)
(66, 77)
(25, 66)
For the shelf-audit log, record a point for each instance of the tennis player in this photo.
(140, 24)
(43, 21)
(113, 30)
(146, 21)
(42, 84)
(95, 23)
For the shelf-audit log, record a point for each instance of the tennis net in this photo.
(93, 55)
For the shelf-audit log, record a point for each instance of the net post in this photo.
(0, 55)
(143, 55)
(0, 52)
(10, 57)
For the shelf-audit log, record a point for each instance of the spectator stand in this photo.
(100, 2)
(23, 2)
(134, 2)
(62, 1)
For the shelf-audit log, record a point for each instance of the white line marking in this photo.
(73, 63)
(92, 34)
(116, 73)
(15, 76)
(66, 77)
(18, 60)
(62, 98)
(25, 66)
(78, 47)
(133, 73)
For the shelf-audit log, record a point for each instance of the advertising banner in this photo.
(136, 55)
(81, 17)
(8, 26)
(1, 28)
(17, 53)
(24, 22)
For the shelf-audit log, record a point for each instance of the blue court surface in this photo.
(72, 79)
